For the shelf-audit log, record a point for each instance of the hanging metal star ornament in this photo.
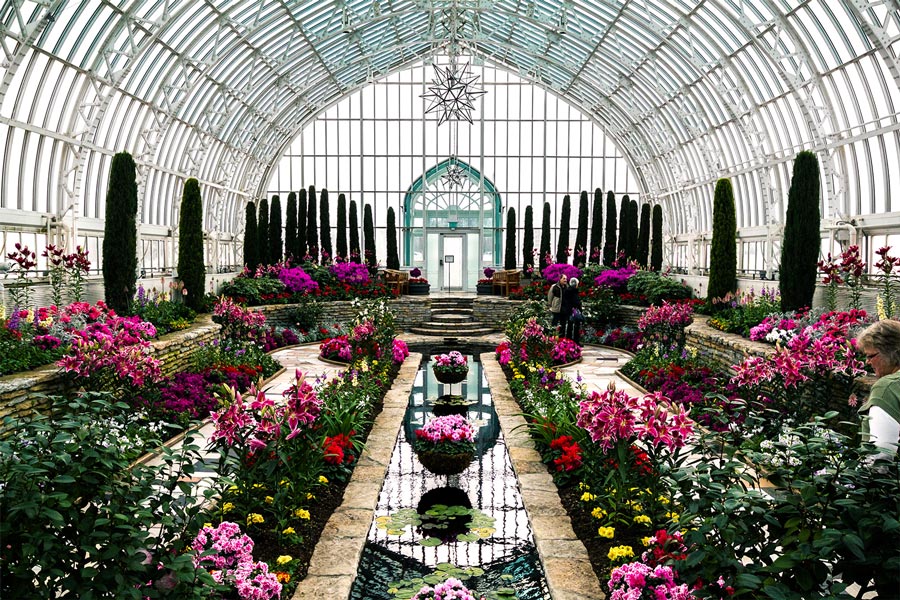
(452, 93)
(453, 176)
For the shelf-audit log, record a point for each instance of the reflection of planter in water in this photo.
(443, 463)
(449, 376)
(446, 513)
(449, 404)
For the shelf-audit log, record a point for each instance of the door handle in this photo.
(441, 262)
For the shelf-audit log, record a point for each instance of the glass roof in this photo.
(218, 89)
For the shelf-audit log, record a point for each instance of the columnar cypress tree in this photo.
(393, 259)
(633, 232)
(723, 251)
(509, 260)
(342, 226)
(609, 246)
(120, 234)
(251, 237)
(276, 245)
(643, 240)
(543, 259)
(262, 223)
(802, 237)
(355, 250)
(325, 229)
(191, 268)
(624, 226)
(371, 258)
(312, 227)
(594, 248)
(562, 242)
(528, 239)
(290, 226)
(302, 246)
(656, 250)
(581, 233)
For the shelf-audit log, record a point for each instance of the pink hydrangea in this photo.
(630, 581)
(399, 351)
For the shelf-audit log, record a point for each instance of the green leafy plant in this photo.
(657, 287)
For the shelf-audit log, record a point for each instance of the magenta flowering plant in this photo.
(616, 279)
(553, 272)
(488, 272)
(24, 260)
(337, 348)
(451, 589)
(451, 434)
(853, 268)
(885, 265)
(350, 273)
(565, 351)
(831, 272)
(415, 272)
(399, 351)
(296, 280)
(228, 556)
(664, 325)
(238, 323)
(638, 581)
(451, 362)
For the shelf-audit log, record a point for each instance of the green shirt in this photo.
(885, 394)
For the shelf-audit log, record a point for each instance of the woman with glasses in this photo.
(881, 422)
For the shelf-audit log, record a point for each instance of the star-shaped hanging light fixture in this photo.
(452, 93)
(453, 176)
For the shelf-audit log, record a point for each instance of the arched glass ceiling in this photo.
(690, 91)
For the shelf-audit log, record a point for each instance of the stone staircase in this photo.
(451, 318)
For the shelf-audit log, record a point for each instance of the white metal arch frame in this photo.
(689, 91)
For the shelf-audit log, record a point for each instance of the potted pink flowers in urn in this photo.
(446, 445)
(451, 367)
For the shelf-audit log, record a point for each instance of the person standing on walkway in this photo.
(880, 425)
(554, 299)
(570, 320)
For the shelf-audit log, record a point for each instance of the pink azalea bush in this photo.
(296, 280)
(565, 351)
(350, 272)
(553, 272)
(637, 581)
(228, 555)
(616, 279)
(451, 589)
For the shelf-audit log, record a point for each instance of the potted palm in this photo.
(418, 285)
(446, 445)
(451, 367)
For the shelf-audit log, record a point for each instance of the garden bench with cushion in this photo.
(504, 281)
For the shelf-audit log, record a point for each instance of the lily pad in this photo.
(431, 541)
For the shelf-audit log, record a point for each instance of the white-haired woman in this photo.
(571, 300)
(880, 342)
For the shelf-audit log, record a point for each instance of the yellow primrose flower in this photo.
(232, 488)
(284, 559)
(642, 519)
(647, 540)
(227, 507)
(269, 500)
(207, 524)
(290, 531)
(598, 513)
(588, 497)
(607, 532)
(309, 496)
(323, 480)
(255, 518)
(620, 553)
(663, 500)
(374, 363)
(301, 513)
(583, 486)
(672, 515)
(258, 486)
(283, 482)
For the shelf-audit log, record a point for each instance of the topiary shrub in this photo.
(657, 287)
(528, 240)
(371, 259)
(191, 267)
(723, 252)
(609, 246)
(594, 248)
(624, 227)
(120, 234)
(802, 236)
(631, 251)
(251, 237)
(581, 232)
(656, 251)
(509, 259)
(355, 249)
(393, 258)
(325, 228)
(302, 246)
(562, 241)
(643, 239)
(544, 258)
(290, 225)
(276, 244)
(342, 226)
(262, 223)
(312, 227)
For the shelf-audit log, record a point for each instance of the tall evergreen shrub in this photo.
(262, 226)
(290, 225)
(509, 259)
(355, 249)
(120, 234)
(562, 242)
(656, 250)
(276, 243)
(643, 239)
(312, 227)
(594, 248)
(251, 237)
(528, 239)
(624, 226)
(633, 230)
(723, 251)
(393, 258)
(302, 246)
(191, 268)
(581, 232)
(609, 246)
(371, 258)
(802, 236)
(545, 238)
(342, 226)
(325, 229)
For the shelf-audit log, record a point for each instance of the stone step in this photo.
(452, 302)
(452, 311)
(452, 318)
(443, 333)
(458, 327)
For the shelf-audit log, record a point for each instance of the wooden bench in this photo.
(397, 280)
(504, 281)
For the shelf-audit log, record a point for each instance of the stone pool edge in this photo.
(335, 560)
(565, 559)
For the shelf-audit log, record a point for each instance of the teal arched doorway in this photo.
(451, 225)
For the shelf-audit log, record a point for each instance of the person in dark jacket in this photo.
(571, 299)
(554, 299)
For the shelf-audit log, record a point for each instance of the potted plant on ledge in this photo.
(418, 285)
(446, 445)
(485, 286)
(451, 367)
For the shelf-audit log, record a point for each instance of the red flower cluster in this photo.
(640, 462)
(570, 453)
(339, 449)
(664, 548)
